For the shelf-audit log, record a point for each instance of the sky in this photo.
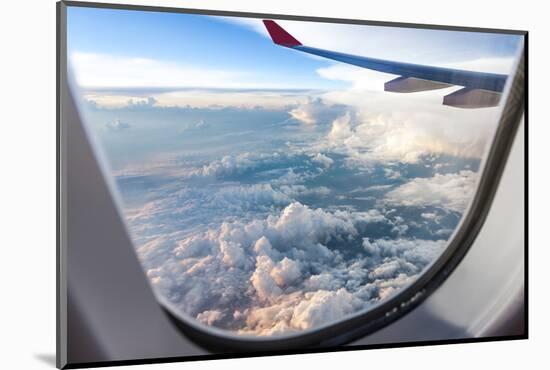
(267, 191)
(123, 48)
(211, 45)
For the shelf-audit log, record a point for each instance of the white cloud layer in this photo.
(450, 191)
(323, 160)
(279, 274)
(198, 98)
(280, 266)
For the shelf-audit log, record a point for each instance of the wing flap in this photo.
(410, 85)
(472, 98)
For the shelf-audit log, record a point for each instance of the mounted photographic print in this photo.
(236, 184)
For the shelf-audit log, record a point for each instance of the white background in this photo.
(27, 206)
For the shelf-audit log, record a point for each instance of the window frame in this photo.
(364, 322)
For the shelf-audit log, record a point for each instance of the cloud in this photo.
(113, 101)
(308, 112)
(117, 125)
(301, 190)
(213, 98)
(277, 168)
(238, 164)
(209, 317)
(358, 78)
(201, 124)
(283, 272)
(246, 197)
(323, 160)
(341, 129)
(192, 207)
(316, 111)
(391, 174)
(286, 272)
(450, 191)
(262, 281)
(501, 65)
(406, 135)
(431, 216)
(418, 252)
(392, 268)
(267, 249)
(321, 307)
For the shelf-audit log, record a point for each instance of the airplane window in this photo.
(279, 176)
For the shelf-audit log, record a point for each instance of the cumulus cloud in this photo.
(266, 250)
(300, 190)
(404, 138)
(320, 307)
(431, 216)
(316, 111)
(201, 124)
(323, 160)
(262, 281)
(209, 317)
(282, 273)
(391, 174)
(419, 252)
(449, 191)
(246, 197)
(117, 125)
(285, 272)
(341, 129)
(229, 165)
(240, 163)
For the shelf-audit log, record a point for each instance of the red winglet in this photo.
(279, 35)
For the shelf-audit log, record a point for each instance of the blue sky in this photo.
(209, 42)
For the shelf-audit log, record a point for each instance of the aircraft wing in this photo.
(479, 89)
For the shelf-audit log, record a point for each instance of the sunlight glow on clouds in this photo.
(374, 128)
